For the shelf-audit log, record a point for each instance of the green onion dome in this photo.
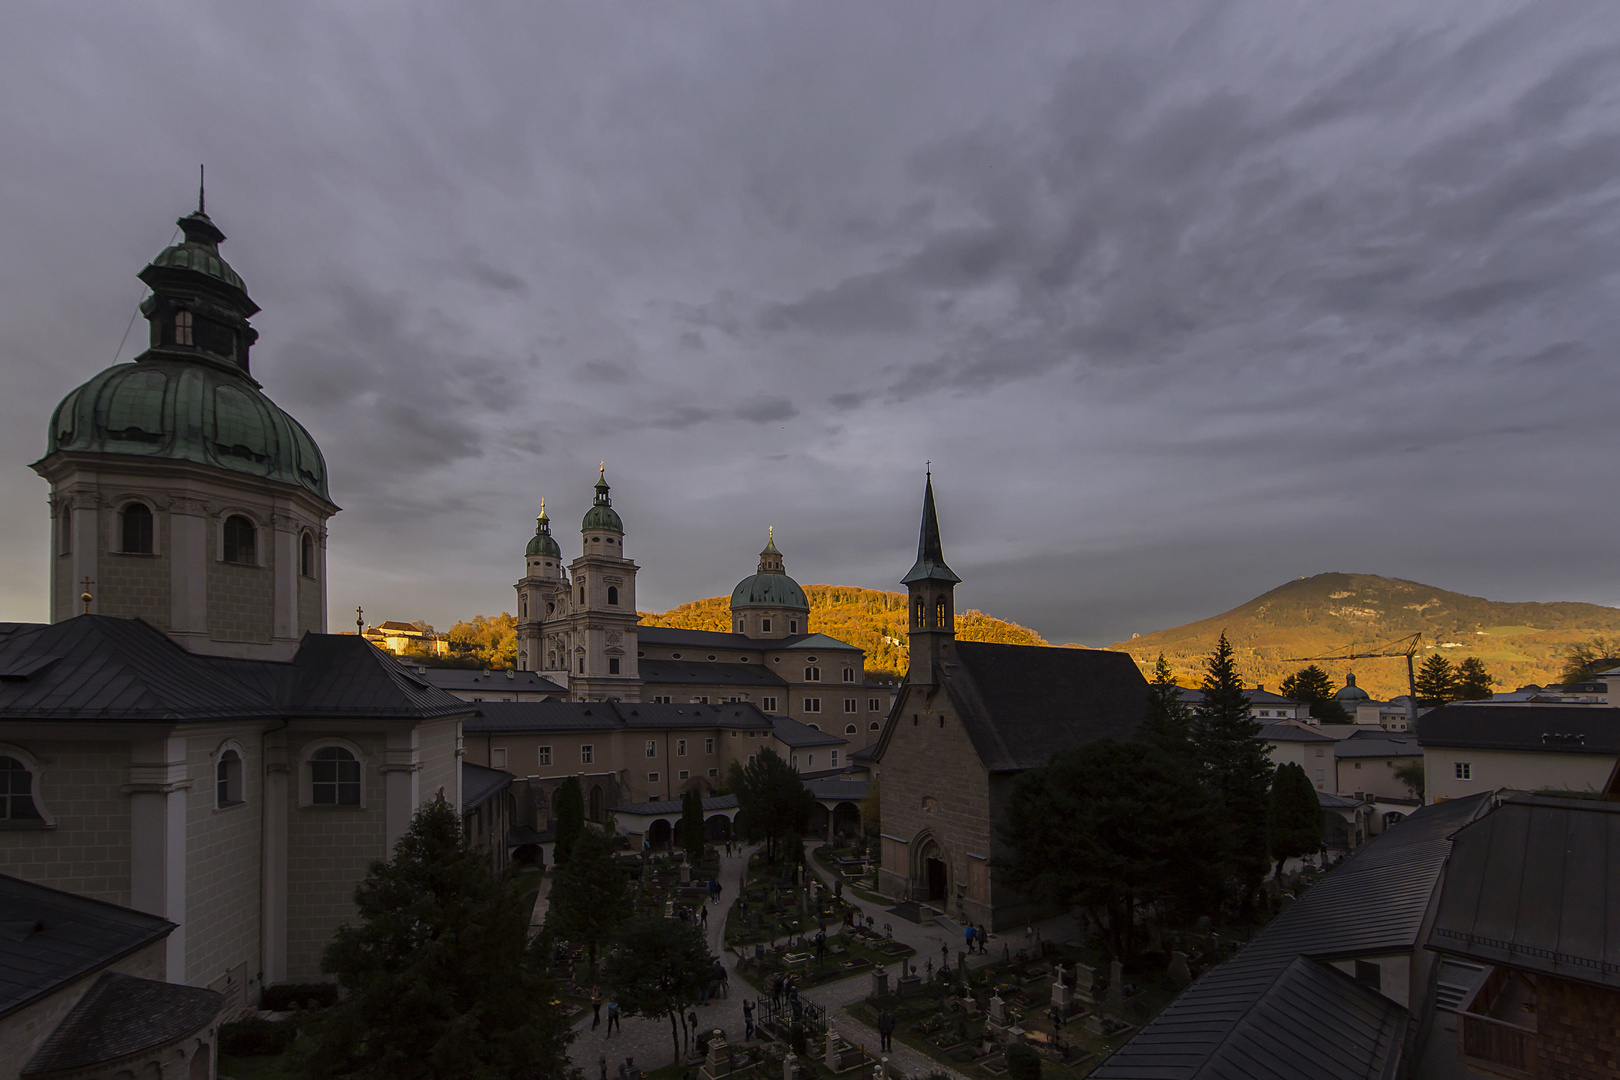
(771, 587)
(542, 542)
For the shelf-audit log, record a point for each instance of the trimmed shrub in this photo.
(255, 1037)
(283, 997)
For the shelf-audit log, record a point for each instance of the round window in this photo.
(674, 656)
(711, 656)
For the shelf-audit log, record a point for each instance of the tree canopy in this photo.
(1312, 686)
(1112, 827)
(439, 975)
(1167, 721)
(1473, 681)
(772, 801)
(1296, 815)
(658, 968)
(1587, 658)
(570, 816)
(1436, 681)
(692, 824)
(1237, 769)
(590, 895)
(1411, 774)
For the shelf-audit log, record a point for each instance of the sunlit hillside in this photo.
(1338, 614)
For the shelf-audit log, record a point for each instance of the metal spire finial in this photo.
(202, 177)
(359, 620)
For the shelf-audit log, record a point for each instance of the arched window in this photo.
(793, 626)
(334, 777)
(917, 616)
(849, 729)
(873, 725)
(939, 614)
(17, 792)
(240, 539)
(306, 555)
(228, 780)
(582, 594)
(613, 595)
(135, 520)
(182, 328)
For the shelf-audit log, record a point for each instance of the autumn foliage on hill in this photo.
(869, 619)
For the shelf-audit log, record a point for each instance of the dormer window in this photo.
(182, 328)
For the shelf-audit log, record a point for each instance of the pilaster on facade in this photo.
(400, 767)
(157, 790)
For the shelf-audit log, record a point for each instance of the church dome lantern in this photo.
(543, 544)
(601, 516)
(776, 602)
(1350, 693)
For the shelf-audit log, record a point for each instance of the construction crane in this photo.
(1406, 646)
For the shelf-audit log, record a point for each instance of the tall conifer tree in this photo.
(1237, 768)
(570, 819)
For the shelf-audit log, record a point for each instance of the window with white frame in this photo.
(228, 779)
(835, 759)
(849, 704)
(812, 674)
(849, 729)
(543, 755)
(713, 773)
(680, 747)
(708, 746)
(873, 704)
(17, 795)
(768, 704)
(334, 777)
(1464, 770)
(497, 757)
(812, 704)
(587, 754)
(652, 747)
(684, 775)
(652, 778)
(849, 674)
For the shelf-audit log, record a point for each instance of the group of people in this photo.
(596, 1014)
(975, 937)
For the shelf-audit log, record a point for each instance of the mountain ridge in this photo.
(1333, 614)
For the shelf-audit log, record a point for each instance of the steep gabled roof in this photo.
(1372, 905)
(1535, 885)
(49, 938)
(342, 675)
(1020, 704)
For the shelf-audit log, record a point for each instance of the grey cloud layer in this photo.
(1180, 302)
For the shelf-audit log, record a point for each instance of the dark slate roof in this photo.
(838, 789)
(121, 1015)
(792, 733)
(479, 784)
(539, 716)
(705, 673)
(1374, 903)
(1385, 747)
(1255, 696)
(473, 681)
(1293, 733)
(1535, 885)
(716, 639)
(50, 938)
(1569, 729)
(94, 667)
(673, 806)
(1021, 704)
(865, 753)
(1329, 801)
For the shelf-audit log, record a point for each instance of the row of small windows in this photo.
(612, 597)
(239, 538)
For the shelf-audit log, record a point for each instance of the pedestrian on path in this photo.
(748, 1018)
(596, 1008)
(613, 1017)
(967, 936)
(886, 1030)
(705, 918)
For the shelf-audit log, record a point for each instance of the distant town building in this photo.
(1483, 746)
(408, 639)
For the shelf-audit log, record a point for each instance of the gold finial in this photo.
(85, 595)
(770, 531)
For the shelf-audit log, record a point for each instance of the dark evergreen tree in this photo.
(772, 801)
(659, 968)
(1296, 815)
(1436, 682)
(590, 895)
(1473, 681)
(1312, 686)
(1167, 721)
(439, 977)
(1411, 774)
(1112, 827)
(570, 819)
(692, 825)
(1237, 770)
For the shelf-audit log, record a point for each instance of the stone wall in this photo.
(328, 852)
(88, 850)
(223, 860)
(436, 745)
(934, 785)
(310, 615)
(241, 601)
(1577, 1029)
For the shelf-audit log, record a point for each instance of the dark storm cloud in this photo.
(1180, 301)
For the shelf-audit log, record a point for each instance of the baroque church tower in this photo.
(932, 588)
(180, 493)
(583, 632)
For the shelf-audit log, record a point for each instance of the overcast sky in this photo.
(1182, 301)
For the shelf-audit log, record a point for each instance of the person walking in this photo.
(705, 918)
(748, 1018)
(596, 1008)
(613, 1016)
(886, 1031)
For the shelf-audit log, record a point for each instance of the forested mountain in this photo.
(867, 618)
(1336, 614)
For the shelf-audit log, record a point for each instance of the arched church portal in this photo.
(930, 870)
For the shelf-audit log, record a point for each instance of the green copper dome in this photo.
(542, 543)
(181, 410)
(1351, 692)
(601, 515)
(190, 396)
(771, 587)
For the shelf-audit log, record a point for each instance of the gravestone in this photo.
(790, 1066)
(909, 986)
(1060, 992)
(1116, 984)
(1179, 971)
(880, 983)
(1085, 982)
(1093, 1025)
(686, 874)
(998, 1009)
(669, 909)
